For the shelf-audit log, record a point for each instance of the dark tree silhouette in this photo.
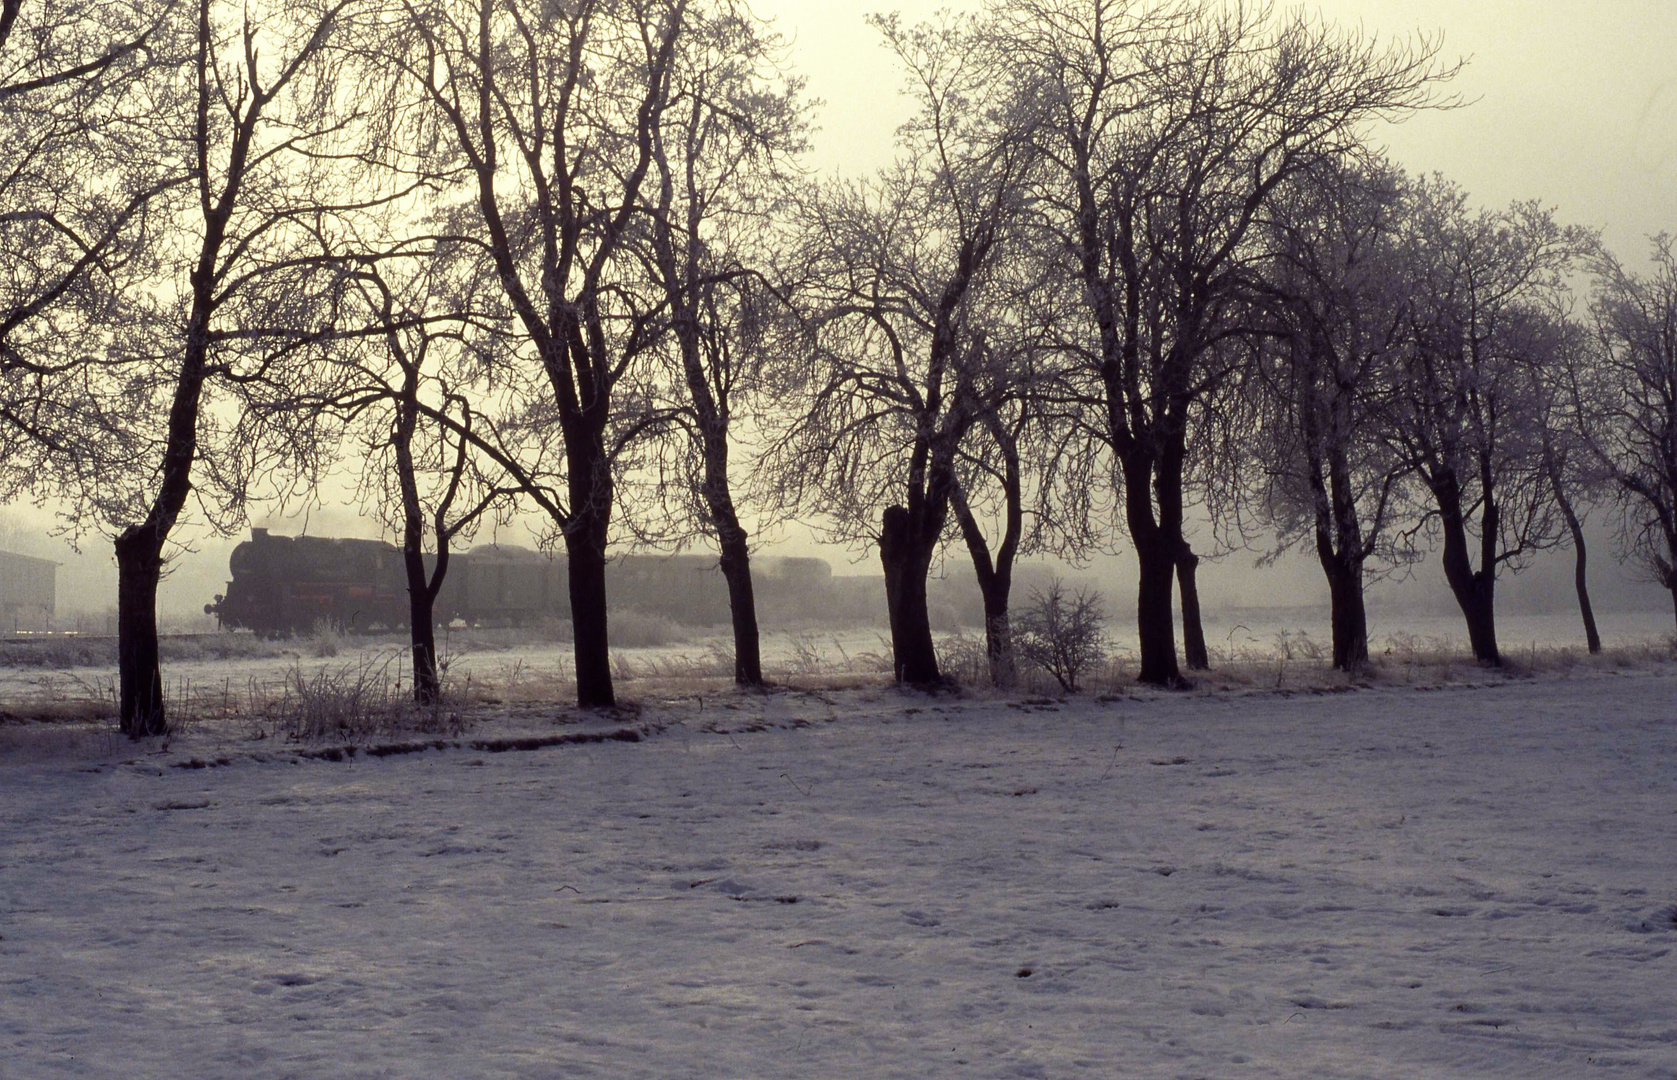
(1169, 130)
(549, 115)
(1466, 416)
(1029, 482)
(402, 369)
(258, 130)
(723, 157)
(1636, 323)
(997, 458)
(904, 367)
(1567, 387)
(1341, 323)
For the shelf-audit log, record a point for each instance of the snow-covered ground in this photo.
(1462, 882)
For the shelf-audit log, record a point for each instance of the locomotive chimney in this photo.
(258, 534)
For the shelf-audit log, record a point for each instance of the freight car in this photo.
(284, 585)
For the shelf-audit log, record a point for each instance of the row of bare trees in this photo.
(485, 256)
(1426, 380)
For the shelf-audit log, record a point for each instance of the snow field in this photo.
(1389, 883)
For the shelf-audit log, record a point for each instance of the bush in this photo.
(632, 628)
(326, 639)
(221, 645)
(354, 702)
(965, 659)
(58, 652)
(1064, 636)
(1298, 645)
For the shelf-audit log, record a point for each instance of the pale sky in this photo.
(1572, 103)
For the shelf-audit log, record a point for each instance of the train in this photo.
(286, 585)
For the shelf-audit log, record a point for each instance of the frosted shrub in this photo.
(963, 658)
(1063, 635)
(326, 639)
(1297, 645)
(632, 628)
(353, 702)
(806, 657)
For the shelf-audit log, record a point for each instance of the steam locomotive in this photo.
(284, 585)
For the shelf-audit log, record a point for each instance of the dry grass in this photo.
(21, 743)
(1292, 661)
(68, 651)
(635, 629)
(325, 640)
(1295, 662)
(366, 697)
(68, 711)
(1398, 660)
(348, 703)
(525, 683)
(60, 652)
(354, 702)
(369, 696)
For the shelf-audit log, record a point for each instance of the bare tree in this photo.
(549, 114)
(1341, 323)
(1467, 418)
(994, 455)
(235, 311)
(904, 365)
(1636, 323)
(1029, 475)
(404, 386)
(724, 157)
(1169, 129)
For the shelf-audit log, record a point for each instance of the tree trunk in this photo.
(139, 549)
(1475, 590)
(422, 624)
(422, 592)
(1156, 553)
(906, 559)
(732, 541)
(589, 490)
(1193, 631)
(1580, 576)
(1580, 584)
(995, 575)
(1155, 625)
(1348, 613)
(139, 561)
(998, 637)
(1340, 546)
(742, 606)
(1342, 564)
(1478, 608)
(586, 571)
